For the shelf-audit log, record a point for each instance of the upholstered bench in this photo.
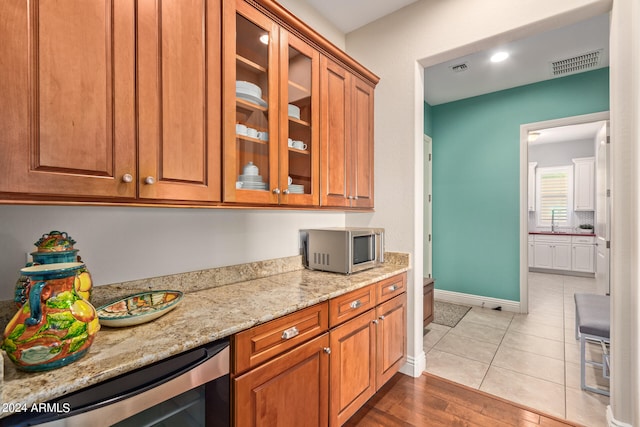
(593, 324)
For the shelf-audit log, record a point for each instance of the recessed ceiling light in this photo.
(499, 56)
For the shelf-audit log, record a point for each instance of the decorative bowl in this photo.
(138, 308)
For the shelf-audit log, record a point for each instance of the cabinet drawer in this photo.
(547, 238)
(265, 341)
(389, 288)
(350, 305)
(589, 240)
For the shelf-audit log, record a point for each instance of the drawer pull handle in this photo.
(290, 333)
(393, 288)
(355, 304)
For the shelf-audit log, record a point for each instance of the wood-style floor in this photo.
(434, 401)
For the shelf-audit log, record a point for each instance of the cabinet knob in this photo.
(327, 350)
(350, 197)
(276, 191)
(127, 178)
(285, 191)
(355, 304)
(375, 321)
(381, 317)
(149, 180)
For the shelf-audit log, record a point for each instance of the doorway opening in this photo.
(597, 215)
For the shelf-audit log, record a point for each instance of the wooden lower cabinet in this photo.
(305, 370)
(353, 361)
(427, 301)
(391, 338)
(366, 352)
(290, 390)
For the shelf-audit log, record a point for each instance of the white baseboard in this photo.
(612, 422)
(477, 300)
(415, 366)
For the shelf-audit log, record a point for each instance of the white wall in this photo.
(560, 153)
(128, 243)
(625, 213)
(395, 48)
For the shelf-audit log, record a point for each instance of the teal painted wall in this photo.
(476, 174)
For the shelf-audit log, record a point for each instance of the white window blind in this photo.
(554, 195)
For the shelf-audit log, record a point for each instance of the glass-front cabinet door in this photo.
(271, 110)
(250, 106)
(299, 130)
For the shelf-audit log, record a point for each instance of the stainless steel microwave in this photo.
(343, 250)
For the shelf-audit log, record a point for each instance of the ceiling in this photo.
(349, 15)
(582, 132)
(529, 61)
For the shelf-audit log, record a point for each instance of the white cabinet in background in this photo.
(531, 188)
(584, 184)
(531, 251)
(562, 252)
(552, 252)
(583, 254)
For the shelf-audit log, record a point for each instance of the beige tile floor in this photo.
(531, 359)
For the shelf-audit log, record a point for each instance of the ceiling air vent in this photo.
(460, 67)
(576, 64)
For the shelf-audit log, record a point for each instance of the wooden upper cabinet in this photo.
(335, 116)
(78, 103)
(299, 121)
(67, 110)
(178, 78)
(250, 92)
(346, 151)
(135, 101)
(362, 145)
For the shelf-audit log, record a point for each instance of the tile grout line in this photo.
(496, 352)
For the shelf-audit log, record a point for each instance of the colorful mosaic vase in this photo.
(55, 247)
(56, 325)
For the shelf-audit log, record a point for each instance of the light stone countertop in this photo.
(217, 303)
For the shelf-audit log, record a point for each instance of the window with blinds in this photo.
(554, 195)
